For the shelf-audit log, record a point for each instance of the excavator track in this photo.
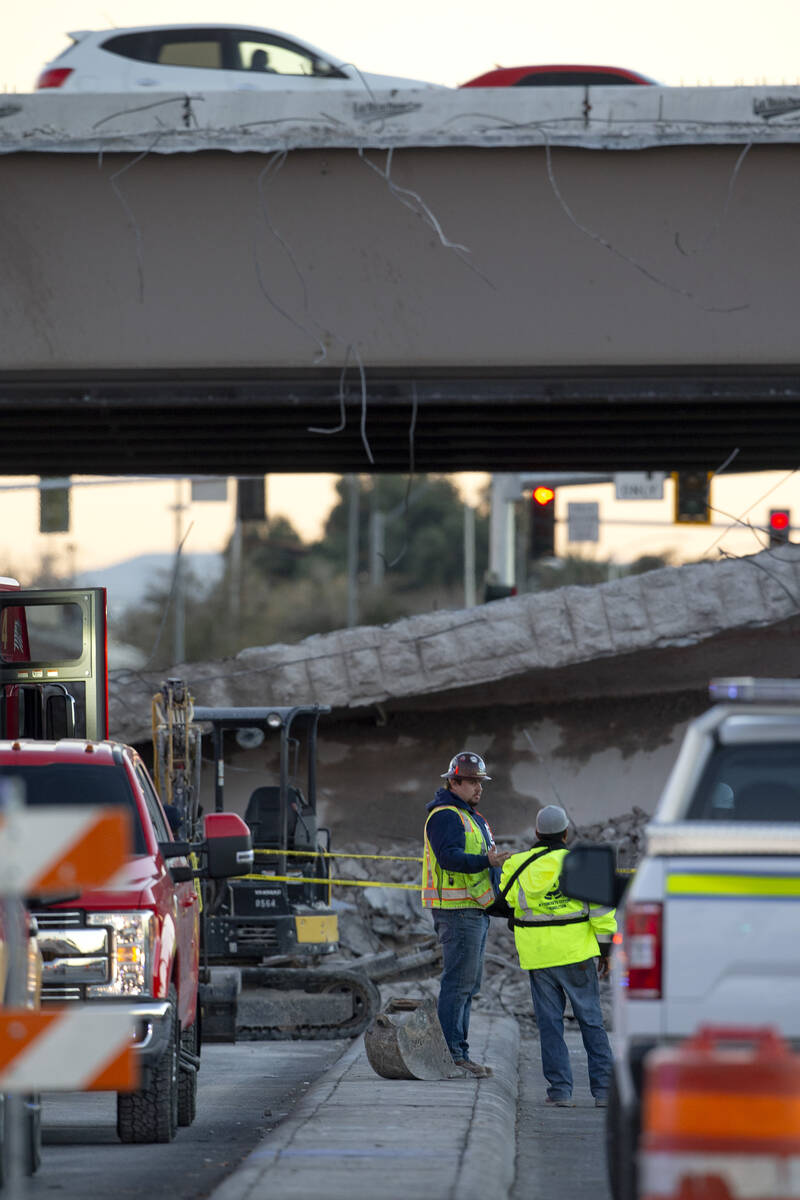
(294, 1004)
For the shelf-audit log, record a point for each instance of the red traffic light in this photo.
(543, 495)
(780, 525)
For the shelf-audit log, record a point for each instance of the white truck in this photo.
(709, 924)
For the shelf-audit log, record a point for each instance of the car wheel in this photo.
(622, 1138)
(151, 1114)
(187, 1077)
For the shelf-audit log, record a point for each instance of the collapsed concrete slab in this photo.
(665, 631)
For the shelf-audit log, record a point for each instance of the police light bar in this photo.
(749, 689)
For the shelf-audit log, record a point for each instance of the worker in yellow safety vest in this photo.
(460, 876)
(565, 945)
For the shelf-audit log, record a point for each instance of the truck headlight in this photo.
(131, 950)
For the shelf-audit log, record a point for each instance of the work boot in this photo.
(560, 1101)
(473, 1068)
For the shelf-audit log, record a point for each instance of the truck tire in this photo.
(187, 1078)
(151, 1114)
(621, 1147)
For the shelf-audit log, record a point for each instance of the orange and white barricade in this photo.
(721, 1118)
(45, 851)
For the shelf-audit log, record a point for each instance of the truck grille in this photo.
(74, 956)
(61, 994)
(61, 919)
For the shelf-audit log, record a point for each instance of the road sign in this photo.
(80, 1048)
(583, 521)
(640, 485)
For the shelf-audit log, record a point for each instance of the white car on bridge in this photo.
(190, 58)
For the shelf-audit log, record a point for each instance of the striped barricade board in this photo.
(79, 1048)
(56, 848)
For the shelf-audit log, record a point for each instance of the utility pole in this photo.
(352, 551)
(179, 597)
(469, 556)
(377, 551)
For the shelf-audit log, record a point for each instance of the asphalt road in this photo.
(244, 1091)
(560, 1151)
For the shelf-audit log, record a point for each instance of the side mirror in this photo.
(229, 846)
(589, 874)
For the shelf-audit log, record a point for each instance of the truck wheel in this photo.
(187, 1078)
(621, 1147)
(151, 1114)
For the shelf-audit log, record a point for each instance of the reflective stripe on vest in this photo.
(544, 920)
(460, 894)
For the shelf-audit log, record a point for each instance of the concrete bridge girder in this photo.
(495, 270)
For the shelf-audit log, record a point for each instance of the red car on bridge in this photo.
(560, 75)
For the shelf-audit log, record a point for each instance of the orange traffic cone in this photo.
(721, 1118)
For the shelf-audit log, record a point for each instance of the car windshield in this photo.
(79, 783)
(750, 783)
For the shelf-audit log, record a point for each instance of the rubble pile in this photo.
(625, 832)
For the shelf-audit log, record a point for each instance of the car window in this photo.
(750, 783)
(139, 46)
(79, 783)
(171, 47)
(153, 804)
(189, 52)
(254, 53)
(572, 79)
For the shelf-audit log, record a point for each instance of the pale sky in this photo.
(449, 41)
(111, 522)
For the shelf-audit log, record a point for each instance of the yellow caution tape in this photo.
(330, 882)
(338, 854)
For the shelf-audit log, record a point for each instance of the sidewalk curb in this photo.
(391, 1138)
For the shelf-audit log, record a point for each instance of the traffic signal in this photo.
(251, 499)
(543, 522)
(54, 505)
(692, 494)
(780, 524)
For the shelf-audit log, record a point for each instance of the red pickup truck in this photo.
(136, 941)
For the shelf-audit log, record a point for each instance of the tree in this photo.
(423, 531)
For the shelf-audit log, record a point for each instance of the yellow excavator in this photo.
(269, 939)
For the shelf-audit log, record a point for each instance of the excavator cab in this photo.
(282, 911)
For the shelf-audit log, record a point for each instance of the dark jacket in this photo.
(446, 836)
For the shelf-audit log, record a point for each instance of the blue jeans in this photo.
(462, 933)
(550, 987)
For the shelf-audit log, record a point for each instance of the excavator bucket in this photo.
(405, 1041)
